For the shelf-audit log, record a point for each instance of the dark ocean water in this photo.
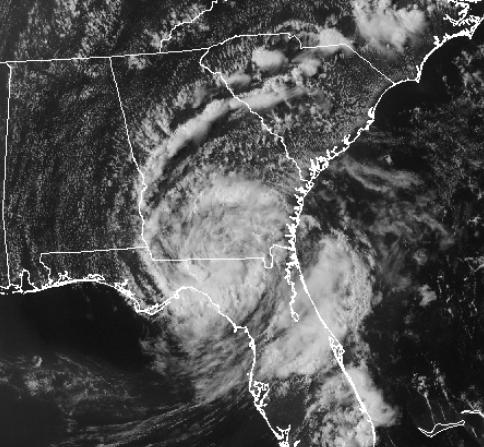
(444, 340)
(93, 382)
(438, 75)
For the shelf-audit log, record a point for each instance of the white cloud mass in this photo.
(335, 418)
(215, 217)
(339, 283)
(269, 60)
(310, 66)
(238, 80)
(336, 40)
(385, 27)
(380, 412)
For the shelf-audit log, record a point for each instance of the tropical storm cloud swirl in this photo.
(200, 204)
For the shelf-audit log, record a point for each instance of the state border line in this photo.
(166, 260)
(5, 176)
(196, 50)
(189, 22)
(206, 51)
(112, 56)
(139, 54)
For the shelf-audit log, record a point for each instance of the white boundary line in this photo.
(103, 250)
(110, 58)
(139, 54)
(302, 47)
(237, 98)
(476, 412)
(144, 187)
(188, 22)
(440, 427)
(348, 47)
(5, 175)
(267, 264)
(138, 168)
(463, 20)
(114, 56)
(80, 252)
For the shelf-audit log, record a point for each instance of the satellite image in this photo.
(238, 223)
